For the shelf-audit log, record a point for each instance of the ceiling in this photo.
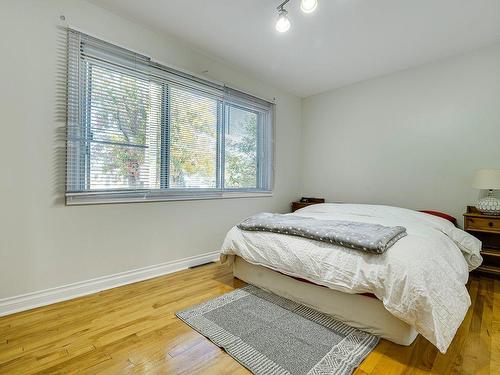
(342, 42)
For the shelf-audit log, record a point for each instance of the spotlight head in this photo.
(308, 6)
(283, 23)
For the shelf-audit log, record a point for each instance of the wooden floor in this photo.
(133, 330)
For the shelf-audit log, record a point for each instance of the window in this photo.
(140, 131)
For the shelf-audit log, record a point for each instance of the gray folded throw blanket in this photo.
(373, 238)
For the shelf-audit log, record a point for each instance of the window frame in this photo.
(264, 110)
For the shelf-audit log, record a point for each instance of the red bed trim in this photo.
(442, 215)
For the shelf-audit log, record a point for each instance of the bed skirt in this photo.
(359, 311)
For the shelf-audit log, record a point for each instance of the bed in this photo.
(416, 286)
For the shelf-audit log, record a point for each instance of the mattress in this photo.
(359, 311)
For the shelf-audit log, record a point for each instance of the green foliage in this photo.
(241, 156)
(193, 137)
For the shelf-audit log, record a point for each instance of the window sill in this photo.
(80, 199)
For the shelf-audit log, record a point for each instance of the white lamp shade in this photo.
(487, 179)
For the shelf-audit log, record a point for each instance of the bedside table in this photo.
(299, 205)
(487, 229)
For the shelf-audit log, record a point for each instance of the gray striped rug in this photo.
(271, 335)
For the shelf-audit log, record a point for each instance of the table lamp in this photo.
(488, 179)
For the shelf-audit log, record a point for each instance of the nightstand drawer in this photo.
(479, 223)
(487, 229)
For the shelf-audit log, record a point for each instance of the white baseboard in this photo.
(45, 297)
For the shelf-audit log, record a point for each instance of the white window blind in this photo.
(140, 131)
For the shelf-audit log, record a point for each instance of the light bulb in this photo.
(308, 6)
(283, 23)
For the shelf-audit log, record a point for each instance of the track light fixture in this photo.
(283, 22)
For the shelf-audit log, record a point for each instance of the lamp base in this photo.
(489, 205)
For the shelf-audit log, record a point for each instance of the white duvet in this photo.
(421, 279)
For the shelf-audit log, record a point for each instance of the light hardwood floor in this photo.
(133, 330)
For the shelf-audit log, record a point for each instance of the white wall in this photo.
(44, 244)
(410, 139)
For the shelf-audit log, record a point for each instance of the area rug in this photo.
(271, 335)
